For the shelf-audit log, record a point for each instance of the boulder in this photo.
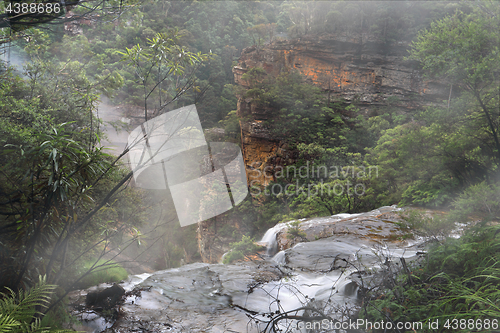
(106, 298)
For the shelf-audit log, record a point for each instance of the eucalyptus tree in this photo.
(165, 69)
(463, 49)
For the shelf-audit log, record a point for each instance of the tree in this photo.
(164, 60)
(299, 13)
(54, 14)
(463, 49)
(261, 32)
(51, 167)
(61, 196)
(413, 162)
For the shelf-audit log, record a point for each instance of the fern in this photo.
(17, 311)
(7, 323)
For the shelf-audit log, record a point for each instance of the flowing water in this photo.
(324, 272)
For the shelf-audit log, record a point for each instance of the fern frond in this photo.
(22, 307)
(18, 310)
(7, 323)
(8, 303)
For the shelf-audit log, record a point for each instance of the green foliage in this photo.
(471, 52)
(426, 163)
(61, 174)
(388, 22)
(161, 61)
(316, 188)
(55, 176)
(427, 158)
(294, 231)
(303, 116)
(464, 49)
(18, 312)
(458, 280)
(52, 175)
(219, 28)
(101, 271)
(479, 201)
(240, 249)
(437, 227)
(323, 134)
(178, 245)
(231, 125)
(261, 33)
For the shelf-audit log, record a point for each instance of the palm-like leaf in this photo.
(18, 310)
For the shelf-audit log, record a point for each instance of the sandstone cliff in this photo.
(359, 70)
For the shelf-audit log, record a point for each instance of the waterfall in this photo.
(326, 273)
(269, 238)
(280, 258)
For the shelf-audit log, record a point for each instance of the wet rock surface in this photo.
(193, 298)
(380, 224)
(330, 272)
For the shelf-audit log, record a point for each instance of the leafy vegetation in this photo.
(423, 158)
(478, 201)
(64, 200)
(241, 249)
(106, 272)
(449, 148)
(436, 227)
(294, 231)
(18, 311)
(456, 283)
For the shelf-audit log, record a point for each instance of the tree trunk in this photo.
(491, 125)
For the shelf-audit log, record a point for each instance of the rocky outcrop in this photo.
(210, 246)
(359, 70)
(382, 227)
(246, 296)
(260, 149)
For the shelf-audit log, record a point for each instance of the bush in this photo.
(481, 201)
(437, 227)
(240, 249)
(459, 280)
(294, 231)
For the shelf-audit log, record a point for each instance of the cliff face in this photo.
(360, 70)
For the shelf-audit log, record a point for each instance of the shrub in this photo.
(459, 280)
(481, 200)
(240, 249)
(437, 227)
(294, 231)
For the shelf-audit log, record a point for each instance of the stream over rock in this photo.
(323, 270)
